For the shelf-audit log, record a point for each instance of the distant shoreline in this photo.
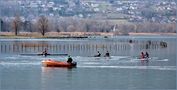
(74, 34)
(173, 34)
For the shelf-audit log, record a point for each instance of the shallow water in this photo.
(123, 70)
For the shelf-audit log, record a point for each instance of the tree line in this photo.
(45, 24)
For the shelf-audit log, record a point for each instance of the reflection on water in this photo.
(84, 47)
(56, 77)
(123, 70)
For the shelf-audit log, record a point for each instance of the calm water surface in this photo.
(123, 70)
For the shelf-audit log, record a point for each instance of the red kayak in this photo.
(53, 63)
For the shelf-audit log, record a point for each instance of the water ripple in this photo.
(134, 67)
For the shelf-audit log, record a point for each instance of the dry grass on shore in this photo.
(53, 34)
(68, 34)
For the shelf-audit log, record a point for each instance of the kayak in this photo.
(53, 63)
(142, 59)
(35, 54)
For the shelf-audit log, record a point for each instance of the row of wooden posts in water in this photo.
(19, 47)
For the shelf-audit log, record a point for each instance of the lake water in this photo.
(122, 71)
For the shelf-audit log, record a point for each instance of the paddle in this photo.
(94, 56)
(54, 54)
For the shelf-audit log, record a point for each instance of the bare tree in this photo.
(16, 24)
(71, 28)
(27, 25)
(57, 28)
(56, 25)
(1, 23)
(42, 25)
(63, 25)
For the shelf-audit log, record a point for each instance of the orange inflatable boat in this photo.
(53, 63)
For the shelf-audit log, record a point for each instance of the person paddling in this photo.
(147, 55)
(98, 55)
(107, 54)
(45, 52)
(142, 55)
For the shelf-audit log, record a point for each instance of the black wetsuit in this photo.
(70, 60)
(99, 55)
(45, 53)
(147, 55)
(107, 54)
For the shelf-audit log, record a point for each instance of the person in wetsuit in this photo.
(107, 54)
(98, 55)
(70, 60)
(45, 53)
(147, 55)
(142, 55)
